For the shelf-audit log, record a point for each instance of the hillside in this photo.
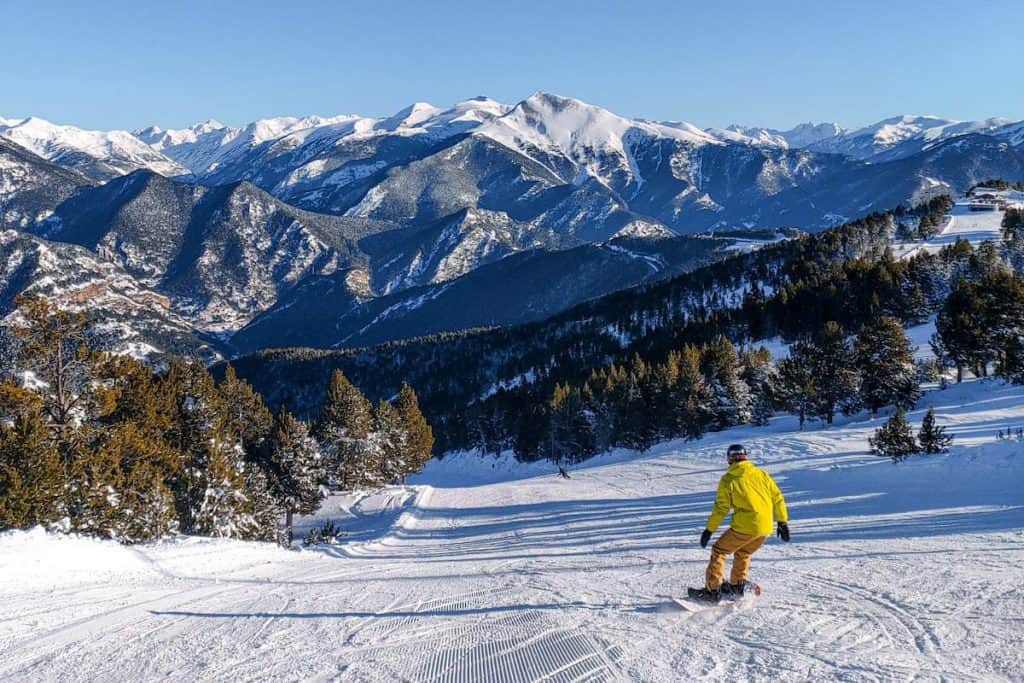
(508, 572)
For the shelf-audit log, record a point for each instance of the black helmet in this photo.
(736, 452)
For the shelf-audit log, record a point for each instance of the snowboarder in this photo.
(755, 498)
(563, 473)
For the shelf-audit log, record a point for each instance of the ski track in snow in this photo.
(909, 572)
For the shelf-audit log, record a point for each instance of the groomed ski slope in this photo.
(895, 572)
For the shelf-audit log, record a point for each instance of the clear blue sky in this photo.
(115, 64)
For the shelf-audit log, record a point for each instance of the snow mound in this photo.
(34, 559)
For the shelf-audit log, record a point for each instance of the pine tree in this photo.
(570, 434)
(248, 419)
(797, 390)
(961, 327)
(31, 476)
(885, 360)
(264, 506)
(933, 438)
(295, 468)
(732, 402)
(638, 419)
(224, 509)
(126, 464)
(758, 373)
(894, 438)
(419, 437)
(343, 430)
(692, 398)
(833, 366)
(55, 345)
(388, 445)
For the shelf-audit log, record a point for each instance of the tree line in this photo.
(107, 445)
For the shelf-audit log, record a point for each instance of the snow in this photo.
(118, 148)
(488, 569)
(586, 134)
(961, 223)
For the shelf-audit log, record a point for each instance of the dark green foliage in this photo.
(894, 438)
(31, 476)
(885, 361)
(834, 368)
(620, 355)
(933, 438)
(981, 323)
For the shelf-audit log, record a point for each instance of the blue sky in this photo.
(126, 65)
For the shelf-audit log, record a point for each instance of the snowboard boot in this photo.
(705, 595)
(737, 590)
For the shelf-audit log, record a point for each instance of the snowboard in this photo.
(750, 589)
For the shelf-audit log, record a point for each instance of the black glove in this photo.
(783, 532)
(705, 537)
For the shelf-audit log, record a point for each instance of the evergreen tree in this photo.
(419, 436)
(55, 345)
(885, 360)
(31, 476)
(122, 474)
(224, 508)
(388, 445)
(343, 431)
(894, 438)
(796, 385)
(295, 468)
(933, 438)
(732, 402)
(758, 373)
(834, 368)
(692, 398)
(264, 506)
(209, 487)
(638, 422)
(570, 433)
(247, 418)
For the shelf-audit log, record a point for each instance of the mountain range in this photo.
(349, 230)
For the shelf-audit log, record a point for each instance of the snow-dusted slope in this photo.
(889, 139)
(101, 155)
(203, 147)
(504, 572)
(133, 317)
(32, 187)
(599, 143)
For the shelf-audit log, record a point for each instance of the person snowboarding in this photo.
(755, 498)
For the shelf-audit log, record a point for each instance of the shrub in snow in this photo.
(894, 439)
(326, 533)
(933, 438)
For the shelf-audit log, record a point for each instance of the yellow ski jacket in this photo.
(754, 496)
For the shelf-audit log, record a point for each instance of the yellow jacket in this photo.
(754, 496)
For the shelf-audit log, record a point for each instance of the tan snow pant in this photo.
(729, 543)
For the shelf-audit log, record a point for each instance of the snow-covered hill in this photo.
(101, 155)
(510, 573)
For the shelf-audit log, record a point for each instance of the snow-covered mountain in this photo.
(901, 136)
(220, 254)
(101, 155)
(134, 317)
(32, 187)
(383, 206)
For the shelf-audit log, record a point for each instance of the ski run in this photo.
(490, 570)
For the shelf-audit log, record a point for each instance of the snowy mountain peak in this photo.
(100, 154)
